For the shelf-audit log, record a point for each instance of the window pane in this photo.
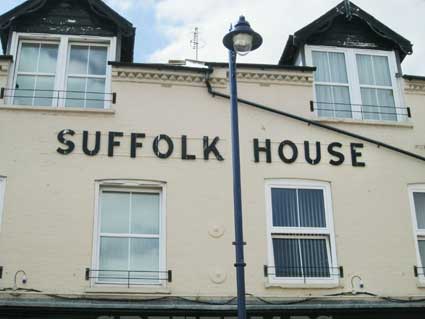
(94, 99)
(365, 69)
(320, 60)
(419, 200)
(78, 59)
(312, 208)
(115, 213)
(370, 104)
(44, 90)
(386, 101)
(144, 257)
(378, 104)
(113, 256)
(24, 92)
(287, 257)
(338, 67)
(373, 70)
(284, 206)
(341, 95)
(314, 258)
(421, 245)
(98, 59)
(324, 100)
(331, 67)
(145, 214)
(28, 57)
(381, 71)
(48, 58)
(333, 101)
(75, 95)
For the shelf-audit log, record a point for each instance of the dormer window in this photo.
(62, 71)
(357, 59)
(356, 84)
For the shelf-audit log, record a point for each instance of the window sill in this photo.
(330, 285)
(124, 290)
(56, 110)
(363, 122)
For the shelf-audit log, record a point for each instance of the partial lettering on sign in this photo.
(163, 146)
(288, 152)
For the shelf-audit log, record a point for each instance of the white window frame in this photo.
(353, 78)
(64, 42)
(299, 232)
(87, 76)
(132, 186)
(418, 233)
(2, 193)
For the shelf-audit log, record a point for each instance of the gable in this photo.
(352, 34)
(346, 25)
(65, 17)
(73, 17)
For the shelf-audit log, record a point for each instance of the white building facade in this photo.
(116, 185)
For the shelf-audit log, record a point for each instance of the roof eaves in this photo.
(159, 66)
(413, 77)
(264, 66)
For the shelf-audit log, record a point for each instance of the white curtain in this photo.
(378, 103)
(332, 100)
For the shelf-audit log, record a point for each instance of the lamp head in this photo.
(242, 39)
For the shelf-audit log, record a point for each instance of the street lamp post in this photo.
(240, 40)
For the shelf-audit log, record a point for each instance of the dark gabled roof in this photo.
(350, 12)
(123, 27)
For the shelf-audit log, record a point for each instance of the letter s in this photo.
(69, 144)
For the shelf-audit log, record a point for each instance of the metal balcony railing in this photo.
(128, 277)
(386, 112)
(418, 271)
(304, 272)
(56, 98)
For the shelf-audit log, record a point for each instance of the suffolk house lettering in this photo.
(163, 147)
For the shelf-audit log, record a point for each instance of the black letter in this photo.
(86, 142)
(258, 149)
(186, 156)
(112, 143)
(307, 153)
(355, 154)
(61, 138)
(135, 144)
(294, 152)
(169, 142)
(208, 148)
(339, 155)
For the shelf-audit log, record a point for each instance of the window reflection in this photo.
(37, 75)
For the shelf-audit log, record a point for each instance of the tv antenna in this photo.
(196, 43)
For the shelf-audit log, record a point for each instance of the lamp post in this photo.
(240, 40)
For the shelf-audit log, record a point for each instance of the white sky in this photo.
(164, 26)
(275, 20)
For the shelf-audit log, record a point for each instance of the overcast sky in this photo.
(164, 27)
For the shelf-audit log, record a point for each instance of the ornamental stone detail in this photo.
(282, 78)
(414, 87)
(198, 79)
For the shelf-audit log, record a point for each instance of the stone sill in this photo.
(63, 110)
(330, 285)
(130, 291)
(363, 122)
